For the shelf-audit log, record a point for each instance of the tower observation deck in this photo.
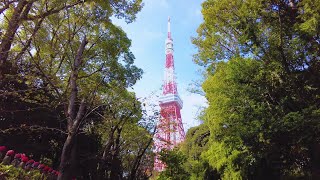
(170, 130)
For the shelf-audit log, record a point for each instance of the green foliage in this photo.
(262, 87)
(247, 129)
(230, 92)
(13, 173)
(174, 160)
(187, 160)
(35, 80)
(310, 17)
(197, 142)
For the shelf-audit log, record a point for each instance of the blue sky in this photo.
(148, 34)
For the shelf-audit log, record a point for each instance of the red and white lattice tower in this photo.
(170, 130)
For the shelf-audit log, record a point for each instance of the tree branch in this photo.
(53, 11)
(73, 83)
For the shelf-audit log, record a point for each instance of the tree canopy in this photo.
(64, 73)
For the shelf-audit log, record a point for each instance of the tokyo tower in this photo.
(170, 130)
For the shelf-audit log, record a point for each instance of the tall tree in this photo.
(74, 50)
(262, 102)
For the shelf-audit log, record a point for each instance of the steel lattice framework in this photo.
(170, 130)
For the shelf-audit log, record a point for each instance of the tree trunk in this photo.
(66, 157)
(116, 166)
(11, 30)
(109, 144)
(7, 39)
(104, 163)
(137, 160)
(68, 154)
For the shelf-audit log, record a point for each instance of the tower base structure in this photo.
(170, 130)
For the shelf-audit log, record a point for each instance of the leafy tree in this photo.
(230, 100)
(174, 160)
(35, 12)
(71, 51)
(250, 136)
(195, 144)
(264, 101)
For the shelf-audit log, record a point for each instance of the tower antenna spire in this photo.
(169, 28)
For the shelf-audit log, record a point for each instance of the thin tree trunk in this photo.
(65, 162)
(73, 84)
(137, 160)
(106, 155)
(109, 144)
(74, 118)
(116, 166)
(74, 158)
